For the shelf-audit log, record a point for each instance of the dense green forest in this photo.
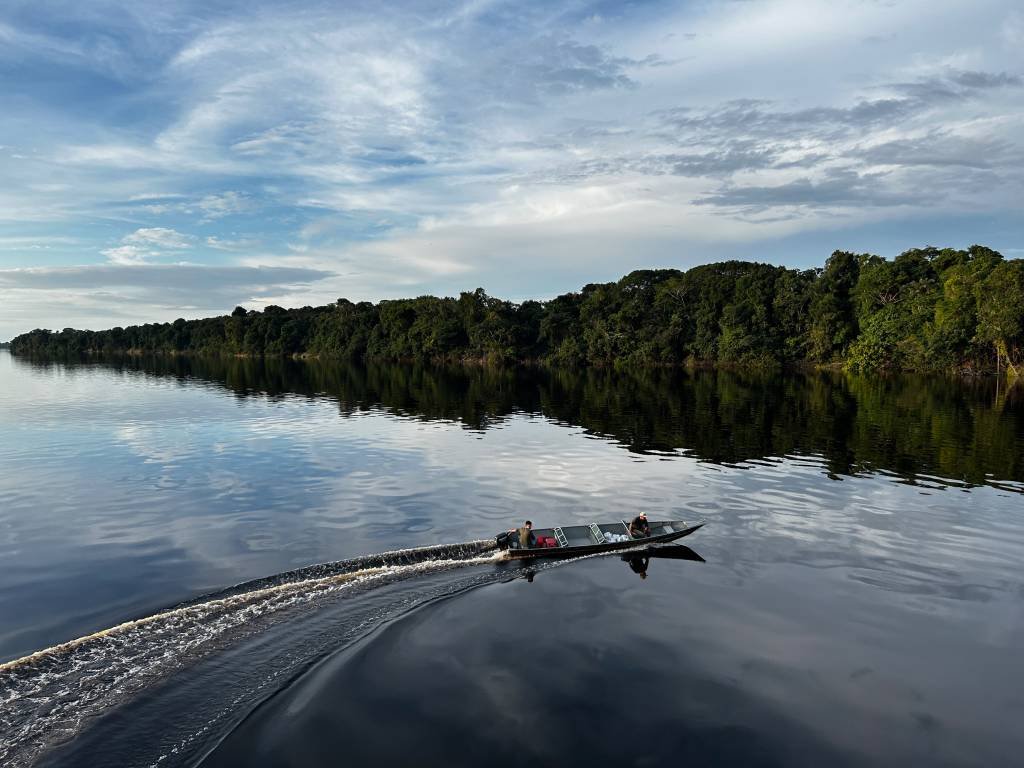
(927, 309)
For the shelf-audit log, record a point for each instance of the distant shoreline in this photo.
(686, 365)
(927, 310)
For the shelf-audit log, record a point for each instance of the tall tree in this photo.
(1001, 313)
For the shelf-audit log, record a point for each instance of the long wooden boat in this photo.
(576, 540)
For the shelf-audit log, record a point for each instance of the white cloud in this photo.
(159, 237)
(240, 244)
(128, 254)
(224, 204)
(529, 152)
(104, 295)
(147, 196)
(145, 244)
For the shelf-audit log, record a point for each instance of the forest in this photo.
(928, 309)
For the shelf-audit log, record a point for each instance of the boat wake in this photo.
(46, 697)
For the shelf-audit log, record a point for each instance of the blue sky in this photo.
(177, 159)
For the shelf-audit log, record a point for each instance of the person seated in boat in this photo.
(639, 528)
(527, 539)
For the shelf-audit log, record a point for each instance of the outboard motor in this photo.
(505, 539)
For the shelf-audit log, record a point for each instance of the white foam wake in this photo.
(46, 696)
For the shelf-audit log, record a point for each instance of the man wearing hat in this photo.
(639, 528)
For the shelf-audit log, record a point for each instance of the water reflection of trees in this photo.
(967, 431)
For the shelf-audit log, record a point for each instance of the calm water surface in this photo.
(859, 601)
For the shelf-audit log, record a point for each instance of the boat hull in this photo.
(548, 553)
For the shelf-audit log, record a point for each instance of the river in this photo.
(284, 563)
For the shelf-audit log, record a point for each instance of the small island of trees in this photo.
(929, 309)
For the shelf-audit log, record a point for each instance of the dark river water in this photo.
(246, 563)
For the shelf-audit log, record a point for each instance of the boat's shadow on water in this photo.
(638, 560)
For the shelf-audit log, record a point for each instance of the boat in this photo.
(577, 540)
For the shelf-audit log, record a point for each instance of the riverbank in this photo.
(691, 364)
(926, 310)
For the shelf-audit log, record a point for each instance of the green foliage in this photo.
(927, 309)
(833, 324)
(1000, 299)
(951, 337)
(920, 311)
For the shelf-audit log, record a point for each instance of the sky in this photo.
(176, 159)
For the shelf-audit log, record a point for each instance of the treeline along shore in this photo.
(929, 309)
